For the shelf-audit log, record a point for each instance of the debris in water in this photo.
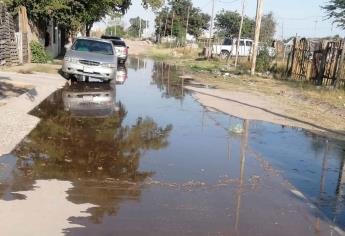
(237, 129)
(298, 194)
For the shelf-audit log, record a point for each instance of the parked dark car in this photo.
(120, 47)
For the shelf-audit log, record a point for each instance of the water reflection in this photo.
(244, 143)
(136, 63)
(166, 78)
(90, 99)
(121, 75)
(100, 156)
(203, 177)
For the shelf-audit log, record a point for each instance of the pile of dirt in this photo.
(138, 47)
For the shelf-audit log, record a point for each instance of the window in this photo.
(86, 45)
(227, 41)
(249, 43)
(119, 43)
(241, 43)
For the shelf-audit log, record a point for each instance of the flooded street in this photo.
(143, 157)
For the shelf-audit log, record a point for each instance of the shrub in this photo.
(38, 54)
(264, 61)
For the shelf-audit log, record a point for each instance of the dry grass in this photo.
(30, 68)
(279, 87)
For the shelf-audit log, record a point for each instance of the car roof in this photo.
(95, 39)
(111, 37)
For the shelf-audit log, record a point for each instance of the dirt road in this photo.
(15, 122)
(159, 163)
(137, 48)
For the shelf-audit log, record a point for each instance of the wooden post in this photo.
(209, 51)
(257, 34)
(290, 71)
(320, 76)
(240, 33)
(340, 65)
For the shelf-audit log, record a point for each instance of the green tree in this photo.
(119, 30)
(335, 10)
(268, 28)
(136, 29)
(198, 21)
(89, 152)
(78, 14)
(228, 23)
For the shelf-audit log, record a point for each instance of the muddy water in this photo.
(144, 158)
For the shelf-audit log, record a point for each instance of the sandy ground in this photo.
(38, 203)
(15, 122)
(137, 48)
(261, 107)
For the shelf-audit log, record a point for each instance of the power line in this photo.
(225, 2)
(298, 19)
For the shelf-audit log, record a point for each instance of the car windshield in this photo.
(86, 45)
(227, 41)
(118, 43)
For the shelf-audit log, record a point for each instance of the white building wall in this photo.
(54, 48)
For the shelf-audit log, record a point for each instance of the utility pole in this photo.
(209, 51)
(315, 27)
(259, 9)
(139, 27)
(172, 27)
(165, 26)
(283, 31)
(160, 30)
(240, 33)
(284, 53)
(187, 22)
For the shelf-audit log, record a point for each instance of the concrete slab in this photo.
(15, 122)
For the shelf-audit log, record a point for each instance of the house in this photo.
(53, 39)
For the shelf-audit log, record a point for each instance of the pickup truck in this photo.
(228, 48)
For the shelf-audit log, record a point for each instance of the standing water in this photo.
(144, 158)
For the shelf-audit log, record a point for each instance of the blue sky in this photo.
(302, 17)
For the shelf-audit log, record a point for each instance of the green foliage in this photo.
(264, 61)
(38, 53)
(154, 4)
(335, 9)
(268, 28)
(75, 15)
(135, 27)
(118, 31)
(228, 23)
(198, 21)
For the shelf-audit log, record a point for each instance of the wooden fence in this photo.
(320, 62)
(8, 45)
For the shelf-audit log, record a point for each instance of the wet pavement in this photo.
(142, 157)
